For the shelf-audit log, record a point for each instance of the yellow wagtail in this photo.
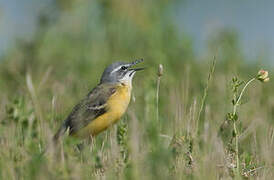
(104, 105)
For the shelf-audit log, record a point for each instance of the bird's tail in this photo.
(61, 131)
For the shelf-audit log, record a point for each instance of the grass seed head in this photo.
(160, 70)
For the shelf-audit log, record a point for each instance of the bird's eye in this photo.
(123, 67)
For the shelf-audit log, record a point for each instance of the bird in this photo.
(104, 105)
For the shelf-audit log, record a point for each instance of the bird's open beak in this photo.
(138, 69)
(136, 62)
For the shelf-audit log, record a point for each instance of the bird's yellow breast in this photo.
(116, 107)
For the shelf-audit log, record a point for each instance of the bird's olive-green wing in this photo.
(92, 106)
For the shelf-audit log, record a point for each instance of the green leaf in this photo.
(232, 117)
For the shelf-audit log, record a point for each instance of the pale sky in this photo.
(18, 20)
(253, 20)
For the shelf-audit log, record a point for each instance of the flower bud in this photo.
(263, 76)
(160, 70)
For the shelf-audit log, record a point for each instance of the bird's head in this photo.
(120, 72)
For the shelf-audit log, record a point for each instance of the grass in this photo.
(180, 125)
(136, 147)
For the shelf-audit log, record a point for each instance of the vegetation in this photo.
(189, 120)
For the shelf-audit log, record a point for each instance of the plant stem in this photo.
(210, 74)
(241, 94)
(236, 149)
(157, 98)
(235, 127)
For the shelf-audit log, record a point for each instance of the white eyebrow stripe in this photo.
(116, 69)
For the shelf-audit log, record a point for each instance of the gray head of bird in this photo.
(120, 72)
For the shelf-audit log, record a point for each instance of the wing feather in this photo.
(92, 106)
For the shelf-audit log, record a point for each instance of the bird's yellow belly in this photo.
(116, 107)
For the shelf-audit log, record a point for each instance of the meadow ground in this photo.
(185, 131)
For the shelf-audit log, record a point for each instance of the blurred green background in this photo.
(47, 70)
